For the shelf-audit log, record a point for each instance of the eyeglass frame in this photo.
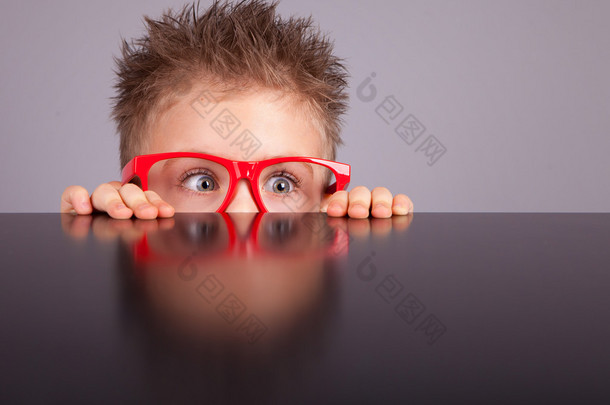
(140, 166)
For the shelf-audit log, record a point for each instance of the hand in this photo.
(118, 201)
(360, 203)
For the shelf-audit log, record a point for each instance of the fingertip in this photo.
(402, 205)
(75, 199)
(118, 210)
(83, 206)
(146, 211)
(166, 210)
(361, 189)
(400, 209)
(381, 190)
(335, 210)
(381, 211)
(358, 211)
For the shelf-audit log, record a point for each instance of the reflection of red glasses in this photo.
(270, 234)
(201, 182)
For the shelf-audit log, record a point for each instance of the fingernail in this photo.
(334, 206)
(359, 210)
(85, 204)
(119, 206)
(401, 208)
(144, 206)
(166, 207)
(382, 207)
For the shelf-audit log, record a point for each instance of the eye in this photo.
(199, 182)
(279, 185)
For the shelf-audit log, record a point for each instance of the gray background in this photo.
(516, 91)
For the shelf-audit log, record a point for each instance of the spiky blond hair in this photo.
(237, 45)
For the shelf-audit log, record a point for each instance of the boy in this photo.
(234, 84)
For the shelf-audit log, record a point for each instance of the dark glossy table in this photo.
(209, 308)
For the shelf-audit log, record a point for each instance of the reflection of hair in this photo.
(229, 47)
(182, 369)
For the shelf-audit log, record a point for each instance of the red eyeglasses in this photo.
(197, 182)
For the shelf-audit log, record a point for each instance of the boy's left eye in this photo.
(279, 185)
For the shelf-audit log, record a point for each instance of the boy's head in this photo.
(244, 56)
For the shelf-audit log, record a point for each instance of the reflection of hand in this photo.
(362, 203)
(132, 231)
(377, 227)
(106, 228)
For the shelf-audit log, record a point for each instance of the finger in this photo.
(359, 202)
(75, 199)
(135, 199)
(381, 206)
(402, 205)
(165, 210)
(337, 204)
(106, 198)
(115, 184)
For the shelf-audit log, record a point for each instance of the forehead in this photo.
(250, 125)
